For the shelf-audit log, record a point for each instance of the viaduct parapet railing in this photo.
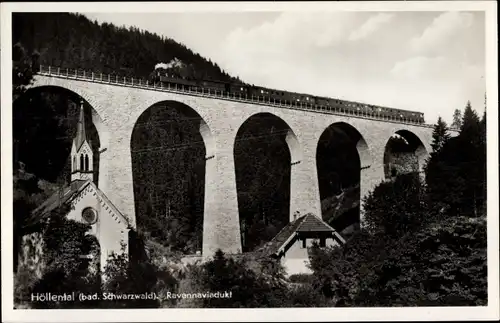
(79, 74)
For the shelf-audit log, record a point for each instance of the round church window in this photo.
(89, 215)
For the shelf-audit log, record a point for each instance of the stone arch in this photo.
(265, 150)
(404, 153)
(98, 122)
(291, 138)
(98, 118)
(342, 155)
(167, 131)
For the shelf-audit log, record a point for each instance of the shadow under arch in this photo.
(171, 148)
(89, 100)
(341, 155)
(264, 150)
(52, 110)
(404, 153)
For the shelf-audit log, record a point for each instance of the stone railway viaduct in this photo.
(117, 107)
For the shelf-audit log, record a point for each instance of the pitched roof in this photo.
(65, 196)
(108, 201)
(305, 223)
(312, 223)
(57, 199)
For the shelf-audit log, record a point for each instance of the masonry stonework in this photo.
(118, 107)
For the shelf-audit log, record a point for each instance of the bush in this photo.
(251, 283)
(65, 270)
(340, 271)
(443, 263)
(305, 295)
(24, 282)
(137, 277)
(396, 207)
(191, 283)
(301, 278)
(226, 274)
(124, 277)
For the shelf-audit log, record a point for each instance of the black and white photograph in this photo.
(302, 157)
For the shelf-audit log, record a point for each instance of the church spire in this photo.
(82, 157)
(80, 137)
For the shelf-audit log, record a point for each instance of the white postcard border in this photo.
(231, 315)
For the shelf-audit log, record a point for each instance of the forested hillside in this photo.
(73, 41)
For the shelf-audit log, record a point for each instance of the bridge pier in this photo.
(119, 184)
(102, 181)
(372, 170)
(371, 176)
(221, 224)
(304, 187)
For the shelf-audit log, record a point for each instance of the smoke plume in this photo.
(173, 63)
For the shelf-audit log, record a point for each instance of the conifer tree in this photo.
(440, 135)
(445, 177)
(483, 162)
(483, 129)
(456, 175)
(470, 127)
(473, 152)
(457, 119)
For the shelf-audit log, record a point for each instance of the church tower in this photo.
(81, 152)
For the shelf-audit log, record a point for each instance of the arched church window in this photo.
(81, 162)
(86, 162)
(74, 163)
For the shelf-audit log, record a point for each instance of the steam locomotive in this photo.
(241, 90)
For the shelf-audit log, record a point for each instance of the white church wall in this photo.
(109, 229)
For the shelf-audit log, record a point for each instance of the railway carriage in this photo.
(239, 90)
(263, 94)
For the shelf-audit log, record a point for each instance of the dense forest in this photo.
(168, 167)
(69, 40)
(262, 159)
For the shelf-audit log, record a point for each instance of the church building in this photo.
(87, 204)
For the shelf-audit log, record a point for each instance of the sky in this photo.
(427, 61)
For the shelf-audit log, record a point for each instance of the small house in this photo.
(291, 245)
